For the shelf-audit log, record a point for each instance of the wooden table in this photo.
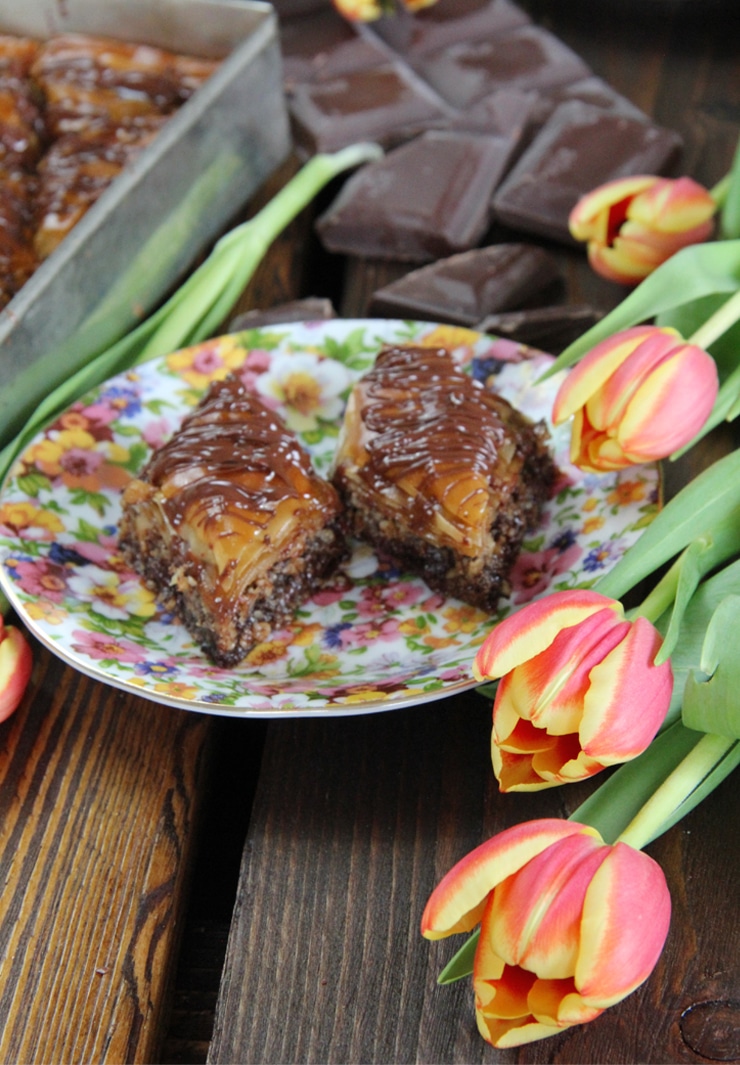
(123, 821)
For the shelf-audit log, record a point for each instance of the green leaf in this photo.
(687, 318)
(461, 965)
(615, 804)
(693, 273)
(687, 653)
(712, 705)
(729, 227)
(708, 506)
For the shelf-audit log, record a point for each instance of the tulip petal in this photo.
(673, 205)
(605, 408)
(556, 1002)
(672, 406)
(595, 369)
(596, 213)
(628, 698)
(458, 901)
(16, 664)
(534, 920)
(626, 915)
(533, 628)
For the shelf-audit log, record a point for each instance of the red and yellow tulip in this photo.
(633, 224)
(570, 925)
(636, 397)
(369, 10)
(16, 663)
(578, 690)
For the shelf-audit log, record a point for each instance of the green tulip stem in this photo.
(718, 324)
(661, 597)
(720, 190)
(688, 775)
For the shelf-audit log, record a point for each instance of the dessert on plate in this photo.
(230, 524)
(441, 473)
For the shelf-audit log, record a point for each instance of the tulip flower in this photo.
(636, 397)
(579, 689)
(369, 10)
(633, 224)
(15, 668)
(569, 925)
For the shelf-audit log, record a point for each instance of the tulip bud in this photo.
(361, 10)
(632, 225)
(636, 397)
(369, 10)
(16, 663)
(579, 689)
(570, 925)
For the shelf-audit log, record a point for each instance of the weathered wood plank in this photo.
(354, 823)
(98, 809)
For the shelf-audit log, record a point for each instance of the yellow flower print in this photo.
(462, 618)
(43, 610)
(204, 363)
(438, 643)
(450, 337)
(24, 515)
(266, 652)
(48, 454)
(364, 695)
(305, 635)
(626, 492)
(590, 525)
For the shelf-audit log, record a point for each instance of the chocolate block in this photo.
(287, 9)
(310, 309)
(386, 104)
(465, 287)
(549, 329)
(448, 22)
(424, 200)
(524, 58)
(578, 148)
(324, 45)
(512, 113)
(591, 90)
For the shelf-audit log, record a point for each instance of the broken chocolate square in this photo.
(424, 200)
(464, 288)
(578, 148)
(525, 58)
(386, 103)
(447, 23)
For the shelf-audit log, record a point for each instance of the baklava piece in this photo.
(91, 79)
(230, 524)
(441, 473)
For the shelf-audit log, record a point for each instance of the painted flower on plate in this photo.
(310, 389)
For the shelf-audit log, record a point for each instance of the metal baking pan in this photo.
(151, 225)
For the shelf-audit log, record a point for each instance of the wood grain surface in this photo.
(355, 820)
(98, 808)
(354, 823)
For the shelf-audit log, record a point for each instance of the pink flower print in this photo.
(102, 645)
(534, 571)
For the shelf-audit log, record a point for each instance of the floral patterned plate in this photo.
(373, 638)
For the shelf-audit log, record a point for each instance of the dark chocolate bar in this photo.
(424, 200)
(578, 148)
(549, 329)
(464, 288)
(446, 23)
(324, 45)
(386, 103)
(525, 58)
